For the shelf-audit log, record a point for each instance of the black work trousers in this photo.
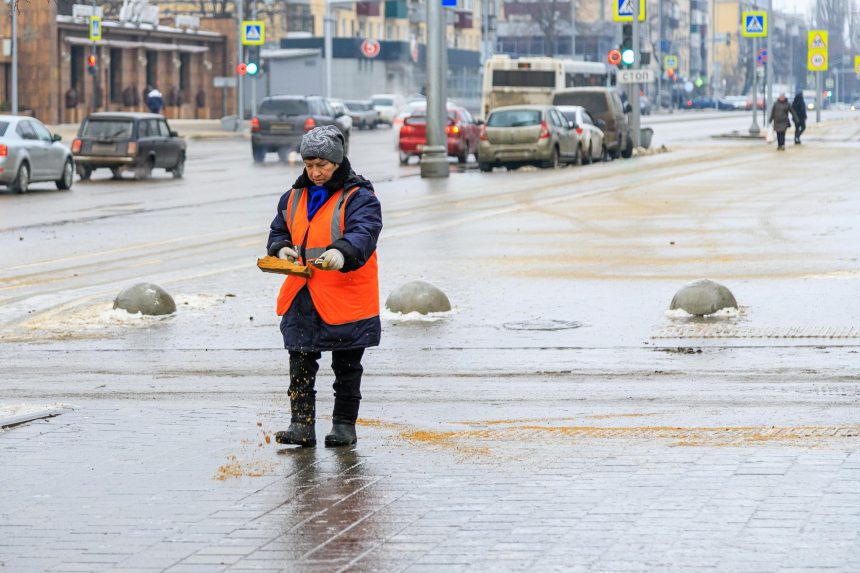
(347, 368)
(780, 139)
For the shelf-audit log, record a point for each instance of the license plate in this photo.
(103, 147)
(282, 127)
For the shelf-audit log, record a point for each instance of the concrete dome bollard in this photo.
(145, 298)
(417, 296)
(703, 297)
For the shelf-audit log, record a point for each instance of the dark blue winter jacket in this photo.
(301, 325)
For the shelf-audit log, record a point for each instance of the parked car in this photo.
(387, 105)
(855, 105)
(364, 115)
(732, 103)
(120, 141)
(29, 153)
(644, 105)
(281, 122)
(526, 135)
(341, 115)
(462, 135)
(605, 104)
(589, 132)
(760, 103)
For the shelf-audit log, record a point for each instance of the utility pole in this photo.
(768, 63)
(634, 88)
(95, 95)
(14, 7)
(434, 157)
(240, 84)
(255, 49)
(754, 128)
(660, 55)
(327, 46)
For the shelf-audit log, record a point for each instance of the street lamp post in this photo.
(14, 7)
(434, 157)
(754, 128)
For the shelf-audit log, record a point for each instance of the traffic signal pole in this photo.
(14, 7)
(240, 103)
(634, 88)
(254, 77)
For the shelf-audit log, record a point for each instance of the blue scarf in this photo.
(317, 195)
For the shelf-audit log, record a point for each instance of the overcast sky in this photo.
(799, 6)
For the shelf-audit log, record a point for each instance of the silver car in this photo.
(589, 131)
(527, 135)
(29, 154)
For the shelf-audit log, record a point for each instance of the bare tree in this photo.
(551, 17)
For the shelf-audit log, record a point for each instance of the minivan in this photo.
(605, 104)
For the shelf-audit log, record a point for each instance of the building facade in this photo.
(57, 84)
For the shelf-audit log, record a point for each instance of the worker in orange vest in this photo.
(330, 220)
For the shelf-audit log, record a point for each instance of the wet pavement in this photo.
(558, 419)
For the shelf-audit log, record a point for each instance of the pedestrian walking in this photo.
(780, 115)
(799, 107)
(331, 220)
(155, 101)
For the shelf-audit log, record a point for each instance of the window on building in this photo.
(184, 72)
(151, 68)
(299, 18)
(77, 70)
(115, 75)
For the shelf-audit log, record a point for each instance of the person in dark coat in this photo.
(155, 101)
(327, 182)
(799, 107)
(779, 116)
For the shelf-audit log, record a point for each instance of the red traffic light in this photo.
(242, 69)
(91, 60)
(614, 57)
(670, 72)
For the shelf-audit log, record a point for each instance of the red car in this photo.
(462, 133)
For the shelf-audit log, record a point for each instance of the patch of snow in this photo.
(386, 314)
(680, 313)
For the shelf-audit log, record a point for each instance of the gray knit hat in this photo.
(325, 142)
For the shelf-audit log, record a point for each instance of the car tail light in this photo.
(76, 146)
(578, 131)
(452, 130)
(131, 148)
(255, 125)
(310, 123)
(406, 129)
(544, 131)
(483, 134)
(4, 150)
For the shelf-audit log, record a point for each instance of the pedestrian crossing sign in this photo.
(253, 32)
(95, 28)
(754, 24)
(623, 10)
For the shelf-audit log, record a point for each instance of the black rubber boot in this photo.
(342, 434)
(298, 434)
(302, 430)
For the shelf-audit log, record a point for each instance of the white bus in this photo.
(533, 80)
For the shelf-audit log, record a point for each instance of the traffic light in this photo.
(614, 57)
(91, 64)
(242, 69)
(253, 64)
(628, 56)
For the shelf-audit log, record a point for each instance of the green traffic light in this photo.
(253, 68)
(628, 56)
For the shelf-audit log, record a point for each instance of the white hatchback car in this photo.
(388, 105)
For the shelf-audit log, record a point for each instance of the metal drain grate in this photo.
(734, 331)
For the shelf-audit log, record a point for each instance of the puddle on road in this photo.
(543, 325)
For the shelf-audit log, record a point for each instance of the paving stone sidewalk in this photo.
(173, 480)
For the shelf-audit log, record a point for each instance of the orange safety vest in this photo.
(339, 297)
